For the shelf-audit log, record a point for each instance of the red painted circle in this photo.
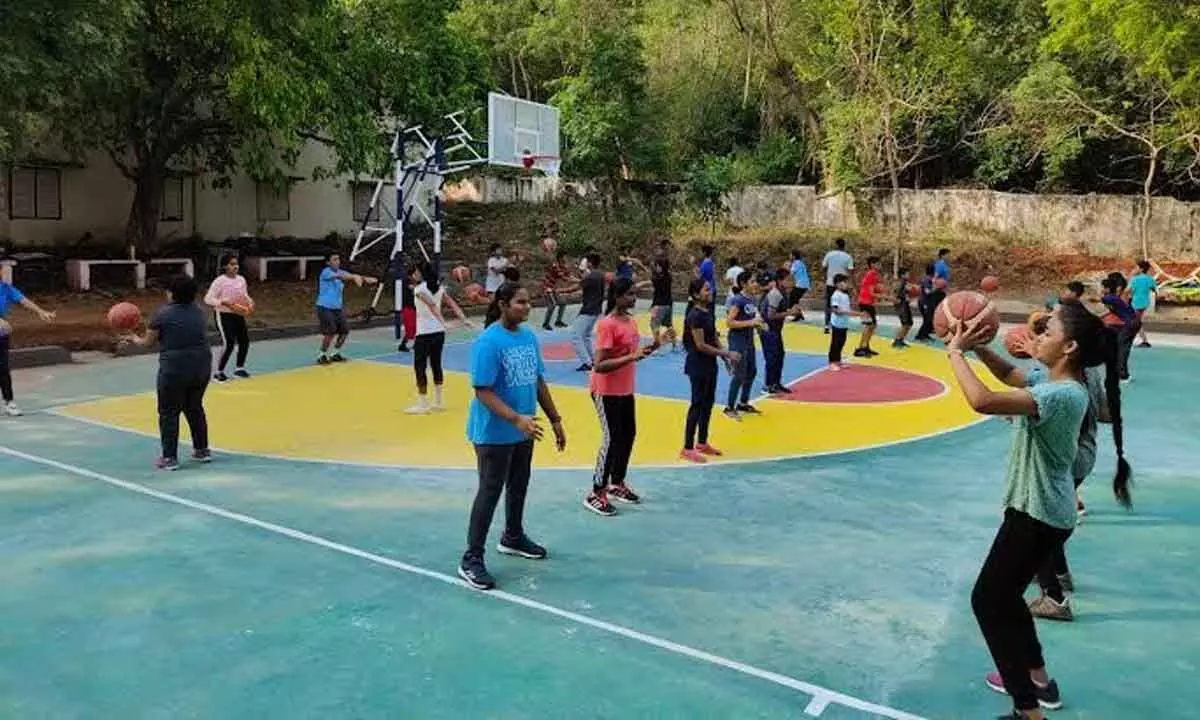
(558, 352)
(863, 384)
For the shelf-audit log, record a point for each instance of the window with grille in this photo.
(35, 193)
(172, 200)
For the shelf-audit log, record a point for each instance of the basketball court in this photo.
(824, 570)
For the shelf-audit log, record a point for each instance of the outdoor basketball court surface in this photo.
(823, 571)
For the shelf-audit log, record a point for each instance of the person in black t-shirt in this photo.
(593, 289)
(703, 347)
(662, 306)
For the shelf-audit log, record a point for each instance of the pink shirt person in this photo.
(618, 334)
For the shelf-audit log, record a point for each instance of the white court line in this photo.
(821, 697)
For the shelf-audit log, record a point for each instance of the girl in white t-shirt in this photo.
(430, 297)
(496, 265)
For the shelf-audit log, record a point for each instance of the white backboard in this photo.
(519, 127)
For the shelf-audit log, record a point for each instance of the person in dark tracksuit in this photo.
(775, 312)
(508, 375)
(742, 320)
(180, 328)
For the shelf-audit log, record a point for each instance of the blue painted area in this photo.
(658, 376)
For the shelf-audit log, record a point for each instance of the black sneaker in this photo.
(870, 352)
(1048, 696)
(624, 493)
(899, 344)
(323, 360)
(475, 573)
(1144, 344)
(402, 347)
(748, 409)
(202, 456)
(522, 546)
(861, 352)
(546, 328)
(220, 377)
(241, 373)
(826, 329)
(599, 504)
(337, 357)
(561, 324)
(586, 367)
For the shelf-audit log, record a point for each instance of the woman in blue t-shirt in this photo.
(9, 296)
(742, 321)
(508, 375)
(703, 347)
(1039, 503)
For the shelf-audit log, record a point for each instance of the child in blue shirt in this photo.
(508, 375)
(1142, 291)
(9, 296)
(801, 283)
(331, 318)
(742, 321)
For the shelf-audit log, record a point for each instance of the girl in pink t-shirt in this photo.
(618, 347)
(230, 300)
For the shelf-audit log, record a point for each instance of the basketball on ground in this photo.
(1016, 339)
(124, 317)
(989, 284)
(970, 309)
(461, 274)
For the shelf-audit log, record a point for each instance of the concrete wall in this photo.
(1095, 224)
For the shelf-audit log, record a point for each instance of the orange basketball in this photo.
(242, 304)
(549, 244)
(989, 284)
(1016, 339)
(474, 293)
(461, 274)
(969, 308)
(940, 284)
(608, 277)
(914, 291)
(124, 317)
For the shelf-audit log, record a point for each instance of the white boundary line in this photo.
(821, 697)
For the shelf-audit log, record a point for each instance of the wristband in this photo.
(954, 351)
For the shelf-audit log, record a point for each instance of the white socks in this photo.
(437, 396)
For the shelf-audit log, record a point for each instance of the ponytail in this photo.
(616, 289)
(1112, 390)
(694, 288)
(503, 294)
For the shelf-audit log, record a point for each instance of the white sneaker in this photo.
(418, 409)
(438, 407)
(12, 410)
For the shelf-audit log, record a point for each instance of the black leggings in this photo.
(704, 396)
(554, 302)
(502, 469)
(1125, 337)
(1054, 568)
(5, 372)
(829, 291)
(233, 332)
(932, 300)
(427, 349)
(837, 343)
(1022, 546)
(181, 395)
(618, 427)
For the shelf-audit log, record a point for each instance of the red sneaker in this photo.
(706, 449)
(692, 456)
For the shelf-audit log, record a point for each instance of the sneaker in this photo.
(202, 456)
(899, 345)
(706, 449)
(475, 573)
(623, 493)
(241, 374)
(693, 456)
(546, 327)
(1047, 608)
(402, 347)
(438, 406)
(585, 367)
(733, 414)
(165, 463)
(323, 360)
(1067, 582)
(871, 353)
(418, 409)
(11, 410)
(223, 378)
(337, 357)
(861, 352)
(561, 324)
(748, 409)
(1048, 696)
(522, 547)
(1144, 344)
(599, 504)
(826, 329)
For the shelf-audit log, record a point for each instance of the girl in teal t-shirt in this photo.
(1039, 502)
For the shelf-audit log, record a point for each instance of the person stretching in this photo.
(703, 347)
(430, 340)
(1039, 503)
(618, 347)
(330, 315)
(10, 295)
(508, 375)
(230, 301)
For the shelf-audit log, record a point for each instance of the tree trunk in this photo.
(1147, 208)
(141, 231)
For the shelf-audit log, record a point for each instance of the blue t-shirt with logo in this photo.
(329, 289)
(9, 295)
(742, 338)
(1140, 289)
(509, 362)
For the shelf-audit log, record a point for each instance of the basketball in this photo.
(608, 277)
(124, 317)
(474, 293)
(914, 291)
(461, 274)
(940, 284)
(969, 308)
(242, 305)
(549, 244)
(989, 284)
(1016, 339)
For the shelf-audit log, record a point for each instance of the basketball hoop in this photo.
(546, 163)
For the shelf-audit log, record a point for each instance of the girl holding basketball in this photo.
(230, 300)
(10, 295)
(703, 347)
(1039, 502)
(618, 347)
(430, 298)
